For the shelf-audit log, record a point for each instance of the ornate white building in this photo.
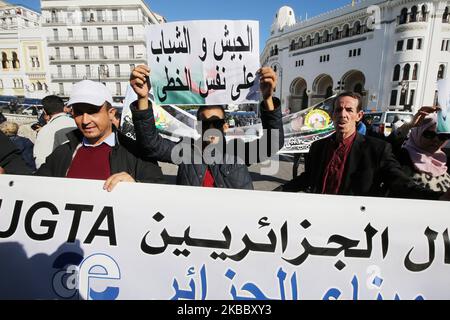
(100, 40)
(23, 69)
(391, 51)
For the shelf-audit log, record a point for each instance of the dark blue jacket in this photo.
(25, 147)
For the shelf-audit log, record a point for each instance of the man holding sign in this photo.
(206, 163)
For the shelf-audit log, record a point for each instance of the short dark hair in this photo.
(351, 94)
(53, 105)
(203, 108)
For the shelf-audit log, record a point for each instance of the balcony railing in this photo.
(92, 76)
(96, 39)
(95, 20)
(95, 57)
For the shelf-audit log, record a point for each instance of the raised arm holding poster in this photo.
(204, 62)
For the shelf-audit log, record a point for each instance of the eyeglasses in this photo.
(432, 134)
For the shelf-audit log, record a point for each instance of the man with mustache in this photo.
(349, 163)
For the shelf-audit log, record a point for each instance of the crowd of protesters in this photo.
(81, 139)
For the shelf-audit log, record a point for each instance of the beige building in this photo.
(23, 69)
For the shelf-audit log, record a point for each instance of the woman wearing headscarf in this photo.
(421, 155)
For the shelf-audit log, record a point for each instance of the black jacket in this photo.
(124, 158)
(25, 147)
(232, 174)
(371, 170)
(10, 158)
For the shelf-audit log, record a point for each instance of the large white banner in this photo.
(69, 239)
(204, 62)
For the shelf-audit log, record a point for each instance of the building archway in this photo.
(355, 81)
(322, 88)
(299, 98)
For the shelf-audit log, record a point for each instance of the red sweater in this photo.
(91, 163)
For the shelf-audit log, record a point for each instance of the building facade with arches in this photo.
(392, 52)
(23, 53)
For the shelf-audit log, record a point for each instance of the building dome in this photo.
(284, 18)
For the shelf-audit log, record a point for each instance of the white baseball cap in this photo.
(90, 92)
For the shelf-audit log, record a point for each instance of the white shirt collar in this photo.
(110, 141)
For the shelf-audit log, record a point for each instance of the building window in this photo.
(5, 64)
(72, 52)
(61, 89)
(15, 60)
(55, 35)
(84, 15)
(58, 53)
(115, 33)
(131, 51)
(411, 97)
(85, 34)
(115, 15)
(424, 13)
(415, 72)
(39, 86)
(403, 97)
(70, 33)
(99, 15)
(86, 53)
(410, 44)
(101, 51)
(116, 52)
(359, 51)
(400, 45)
(130, 32)
(443, 45)
(445, 18)
(413, 16)
(397, 70)
(118, 89)
(59, 70)
(99, 33)
(441, 72)
(350, 53)
(403, 18)
(419, 44)
(117, 70)
(394, 95)
(88, 71)
(54, 16)
(406, 71)
(346, 31)
(74, 71)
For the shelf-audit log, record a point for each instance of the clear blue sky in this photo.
(261, 10)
